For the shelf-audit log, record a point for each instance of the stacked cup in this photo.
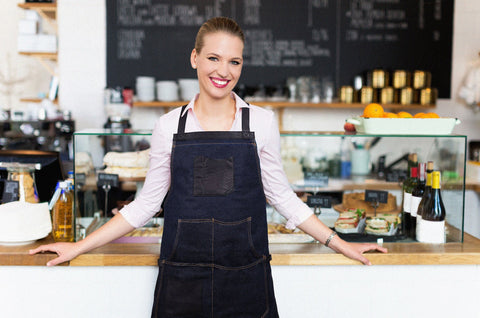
(167, 91)
(145, 86)
(188, 88)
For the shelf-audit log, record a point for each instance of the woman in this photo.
(219, 158)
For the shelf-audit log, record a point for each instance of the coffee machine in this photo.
(118, 107)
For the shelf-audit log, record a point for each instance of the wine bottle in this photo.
(409, 184)
(417, 195)
(426, 197)
(433, 216)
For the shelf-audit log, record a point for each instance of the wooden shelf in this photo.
(35, 100)
(281, 105)
(47, 11)
(287, 104)
(45, 56)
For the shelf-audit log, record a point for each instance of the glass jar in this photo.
(24, 174)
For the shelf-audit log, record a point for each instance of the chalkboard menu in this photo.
(336, 39)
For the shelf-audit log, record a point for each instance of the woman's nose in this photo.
(223, 69)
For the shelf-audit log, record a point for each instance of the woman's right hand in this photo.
(65, 252)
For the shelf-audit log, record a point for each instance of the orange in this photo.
(404, 115)
(389, 115)
(419, 115)
(432, 115)
(373, 110)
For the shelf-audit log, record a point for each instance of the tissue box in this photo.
(39, 43)
(26, 26)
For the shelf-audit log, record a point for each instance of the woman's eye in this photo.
(212, 58)
(235, 62)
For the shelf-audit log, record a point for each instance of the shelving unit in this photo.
(281, 105)
(48, 12)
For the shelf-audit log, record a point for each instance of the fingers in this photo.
(41, 249)
(56, 261)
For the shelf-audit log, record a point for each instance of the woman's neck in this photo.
(214, 114)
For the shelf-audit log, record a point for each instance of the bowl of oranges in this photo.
(376, 121)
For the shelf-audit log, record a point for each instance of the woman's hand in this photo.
(65, 252)
(355, 250)
(321, 232)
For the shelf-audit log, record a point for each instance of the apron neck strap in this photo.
(183, 120)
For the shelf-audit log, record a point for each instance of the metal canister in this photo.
(428, 96)
(386, 95)
(421, 79)
(379, 78)
(366, 95)
(406, 96)
(346, 94)
(401, 79)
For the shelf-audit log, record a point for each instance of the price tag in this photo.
(108, 179)
(10, 191)
(80, 179)
(376, 196)
(319, 201)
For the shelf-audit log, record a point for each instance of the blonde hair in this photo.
(218, 24)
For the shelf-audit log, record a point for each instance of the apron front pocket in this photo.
(240, 293)
(212, 176)
(185, 292)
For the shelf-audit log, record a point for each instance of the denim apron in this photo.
(214, 259)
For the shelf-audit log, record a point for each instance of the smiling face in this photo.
(218, 63)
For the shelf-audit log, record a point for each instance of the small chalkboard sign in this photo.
(80, 179)
(319, 201)
(108, 179)
(10, 191)
(376, 196)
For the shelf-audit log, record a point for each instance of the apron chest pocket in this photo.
(212, 177)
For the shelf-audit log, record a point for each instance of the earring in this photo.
(194, 67)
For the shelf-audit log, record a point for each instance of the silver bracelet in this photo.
(330, 238)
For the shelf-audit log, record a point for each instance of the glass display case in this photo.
(331, 171)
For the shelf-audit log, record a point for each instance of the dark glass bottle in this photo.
(408, 185)
(433, 216)
(417, 195)
(426, 197)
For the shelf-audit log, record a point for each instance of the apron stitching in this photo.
(212, 265)
(213, 258)
(266, 291)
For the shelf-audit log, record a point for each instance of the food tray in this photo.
(404, 126)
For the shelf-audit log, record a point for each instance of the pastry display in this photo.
(278, 233)
(356, 200)
(83, 163)
(127, 164)
(146, 231)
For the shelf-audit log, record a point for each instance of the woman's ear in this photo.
(193, 59)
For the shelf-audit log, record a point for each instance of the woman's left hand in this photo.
(355, 250)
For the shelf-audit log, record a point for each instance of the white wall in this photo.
(82, 65)
(301, 291)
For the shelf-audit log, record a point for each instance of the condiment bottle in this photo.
(62, 215)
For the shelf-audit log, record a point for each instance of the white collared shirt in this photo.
(275, 183)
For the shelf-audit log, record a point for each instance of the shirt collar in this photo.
(239, 103)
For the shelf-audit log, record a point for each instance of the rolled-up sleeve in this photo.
(276, 186)
(157, 181)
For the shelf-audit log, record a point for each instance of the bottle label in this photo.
(431, 232)
(415, 202)
(407, 201)
(418, 231)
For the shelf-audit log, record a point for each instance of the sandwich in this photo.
(377, 226)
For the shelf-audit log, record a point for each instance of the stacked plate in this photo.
(145, 86)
